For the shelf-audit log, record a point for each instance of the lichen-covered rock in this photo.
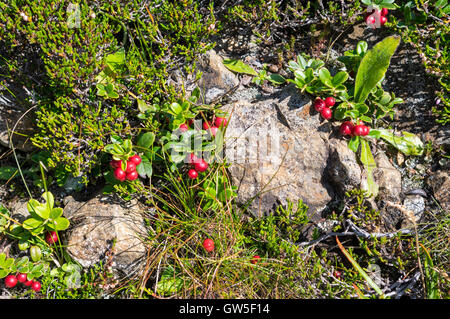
(278, 152)
(343, 166)
(388, 178)
(440, 183)
(216, 78)
(103, 224)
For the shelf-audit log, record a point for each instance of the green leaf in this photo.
(276, 79)
(7, 172)
(339, 78)
(325, 77)
(176, 108)
(32, 223)
(369, 164)
(146, 140)
(59, 224)
(56, 212)
(116, 60)
(373, 66)
(4, 273)
(239, 66)
(35, 253)
(407, 143)
(145, 169)
(353, 144)
(49, 199)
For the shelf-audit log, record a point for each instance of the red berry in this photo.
(384, 12)
(366, 130)
(183, 127)
(131, 176)
(208, 244)
(201, 165)
(337, 274)
(120, 174)
(190, 122)
(10, 281)
(192, 158)
(206, 125)
(28, 283)
(220, 121)
(370, 19)
(255, 259)
(383, 20)
(192, 173)
(330, 101)
(358, 130)
(115, 164)
(326, 113)
(22, 278)
(319, 104)
(214, 130)
(36, 286)
(130, 167)
(346, 128)
(51, 237)
(136, 159)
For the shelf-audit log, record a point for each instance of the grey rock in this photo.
(343, 166)
(416, 204)
(278, 152)
(388, 178)
(216, 79)
(440, 183)
(100, 222)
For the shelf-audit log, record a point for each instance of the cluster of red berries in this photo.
(11, 282)
(348, 128)
(200, 165)
(208, 244)
(217, 123)
(324, 107)
(371, 17)
(130, 172)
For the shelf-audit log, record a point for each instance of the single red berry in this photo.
(192, 158)
(384, 12)
(183, 127)
(36, 286)
(120, 174)
(51, 237)
(201, 165)
(337, 274)
(330, 101)
(214, 130)
(206, 125)
(131, 176)
(370, 19)
(22, 278)
(255, 259)
(221, 121)
(131, 167)
(383, 20)
(193, 174)
(136, 159)
(319, 104)
(28, 283)
(208, 244)
(346, 128)
(366, 130)
(10, 281)
(115, 164)
(358, 130)
(326, 113)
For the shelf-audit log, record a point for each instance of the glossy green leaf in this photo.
(373, 66)
(407, 143)
(369, 165)
(353, 144)
(146, 140)
(239, 66)
(59, 224)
